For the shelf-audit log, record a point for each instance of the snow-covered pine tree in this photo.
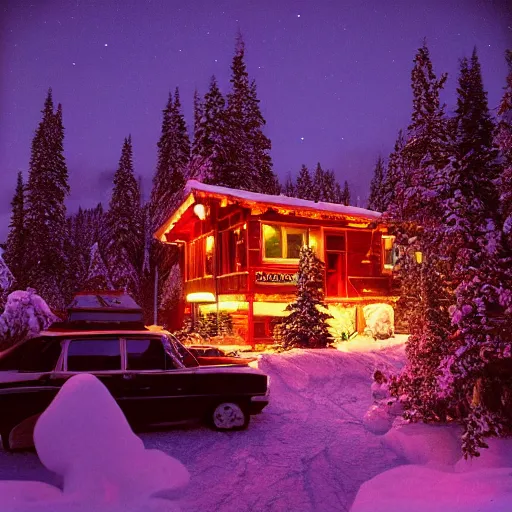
(338, 194)
(266, 181)
(98, 278)
(209, 132)
(318, 184)
(395, 177)
(167, 192)
(14, 254)
(236, 168)
(414, 206)
(345, 195)
(6, 282)
(246, 162)
(503, 141)
(173, 157)
(45, 215)
(376, 200)
(473, 146)
(304, 185)
(289, 186)
(305, 326)
(329, 193)
(124, 250)
(413, 172)
(476, 378)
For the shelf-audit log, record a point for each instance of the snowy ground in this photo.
(308, 451)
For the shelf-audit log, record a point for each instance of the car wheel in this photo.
(229, 416)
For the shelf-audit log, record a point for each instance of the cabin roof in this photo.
(195, 191)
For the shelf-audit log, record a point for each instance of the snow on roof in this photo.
(291, 202)
(195, 189)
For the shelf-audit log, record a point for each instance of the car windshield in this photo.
(176, 350)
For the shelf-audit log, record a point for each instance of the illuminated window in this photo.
(282, 242)
(209, 255)
(389, 252)
(233, 251)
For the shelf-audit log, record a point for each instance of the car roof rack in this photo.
(106, 307)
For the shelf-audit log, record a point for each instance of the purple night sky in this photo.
(333, 76)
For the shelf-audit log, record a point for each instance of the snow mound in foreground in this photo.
(84, 437)
(422, 489)
(438, 478)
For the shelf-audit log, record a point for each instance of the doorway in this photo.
(335, 265)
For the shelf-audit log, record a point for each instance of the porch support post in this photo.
(250, 320)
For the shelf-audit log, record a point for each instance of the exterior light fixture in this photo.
(200, 211)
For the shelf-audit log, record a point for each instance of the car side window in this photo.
(145, 354)
(97, 354)
(40, 355)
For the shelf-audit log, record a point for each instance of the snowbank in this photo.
(422, 489)
(438, 478)
(85, 439)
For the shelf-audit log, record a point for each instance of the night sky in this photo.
(333, 76)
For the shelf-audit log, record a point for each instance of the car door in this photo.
(25, 385)
(157, 388)
(99, 355)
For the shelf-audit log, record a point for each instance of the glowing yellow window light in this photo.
(209, 243)
(201, 297)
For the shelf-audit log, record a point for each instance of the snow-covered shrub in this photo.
(25, 315)
(380, 320)
(6, 281)
(342, 322)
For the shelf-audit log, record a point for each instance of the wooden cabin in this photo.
(240, 255)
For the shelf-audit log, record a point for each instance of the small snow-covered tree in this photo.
(305, 326)
(376, 200)
(172, 293)
(345, 195)
(289, 186)
(304, 185)
(24, 316)
(98, 278)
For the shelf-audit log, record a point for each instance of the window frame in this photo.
(124, 348)
(233, 243)
(65, 353)
(285, 229)
(387, 268)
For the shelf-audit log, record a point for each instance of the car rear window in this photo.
(145, 354)
(98, 354)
